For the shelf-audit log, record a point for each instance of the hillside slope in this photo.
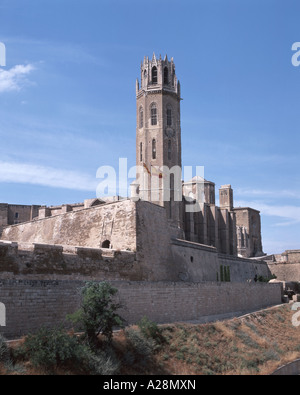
(255, 344)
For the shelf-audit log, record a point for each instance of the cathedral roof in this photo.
(199, 179)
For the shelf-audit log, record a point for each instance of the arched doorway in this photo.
(106, 244)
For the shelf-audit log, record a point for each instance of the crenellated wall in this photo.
(53, 262)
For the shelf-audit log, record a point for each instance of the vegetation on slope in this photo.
(254, 344)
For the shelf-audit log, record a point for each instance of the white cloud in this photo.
(46, 176)
(15, 78)
(267, 193)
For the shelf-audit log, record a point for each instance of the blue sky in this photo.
(67, 97)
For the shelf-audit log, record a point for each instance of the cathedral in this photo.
(172, 254)
(189, 206)
(233, 231)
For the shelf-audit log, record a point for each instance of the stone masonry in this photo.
(168, 262)
(31, 303)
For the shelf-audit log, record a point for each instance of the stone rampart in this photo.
(31, 304)
(112, 222)
(48, 262)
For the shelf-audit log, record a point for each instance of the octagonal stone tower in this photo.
(158, 134)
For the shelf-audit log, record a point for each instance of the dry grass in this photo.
(256, 344)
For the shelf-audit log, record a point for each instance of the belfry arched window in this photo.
(166, 76)
(153, 149)
(153, 114)
(141, 152)
(141, 118)
(154, 75)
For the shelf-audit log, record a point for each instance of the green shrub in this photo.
(101, 362)
(251, 364)
(142, 347)
(98, 312)
(247, 340)
(252, 326)
(49, 348)
(271, 355)
(208, 372)
(180, 355)
(148, 328)
(52, 348)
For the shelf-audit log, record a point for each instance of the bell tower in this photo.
(158, 134)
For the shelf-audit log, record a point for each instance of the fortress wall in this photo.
(31, 303)
(160, 254)
(188, 262)
(166, 302)
(154, 242)
(243, 269)
(195, 262)
(285, 272)
(165, 257)
(115, 222)
(203, 263)
(54, 262)
(3, 215)
(293, 256)
(286, 266)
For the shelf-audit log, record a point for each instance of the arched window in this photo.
(153, 115)
(145, 76)
(242, 239)
(169, 116)
(141, 117)
(166, 76)
(169, 149)
(153, 149)
(173, 76)
(141, 152)
(154, 75)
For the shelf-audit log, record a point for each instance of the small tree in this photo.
(98, 312)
